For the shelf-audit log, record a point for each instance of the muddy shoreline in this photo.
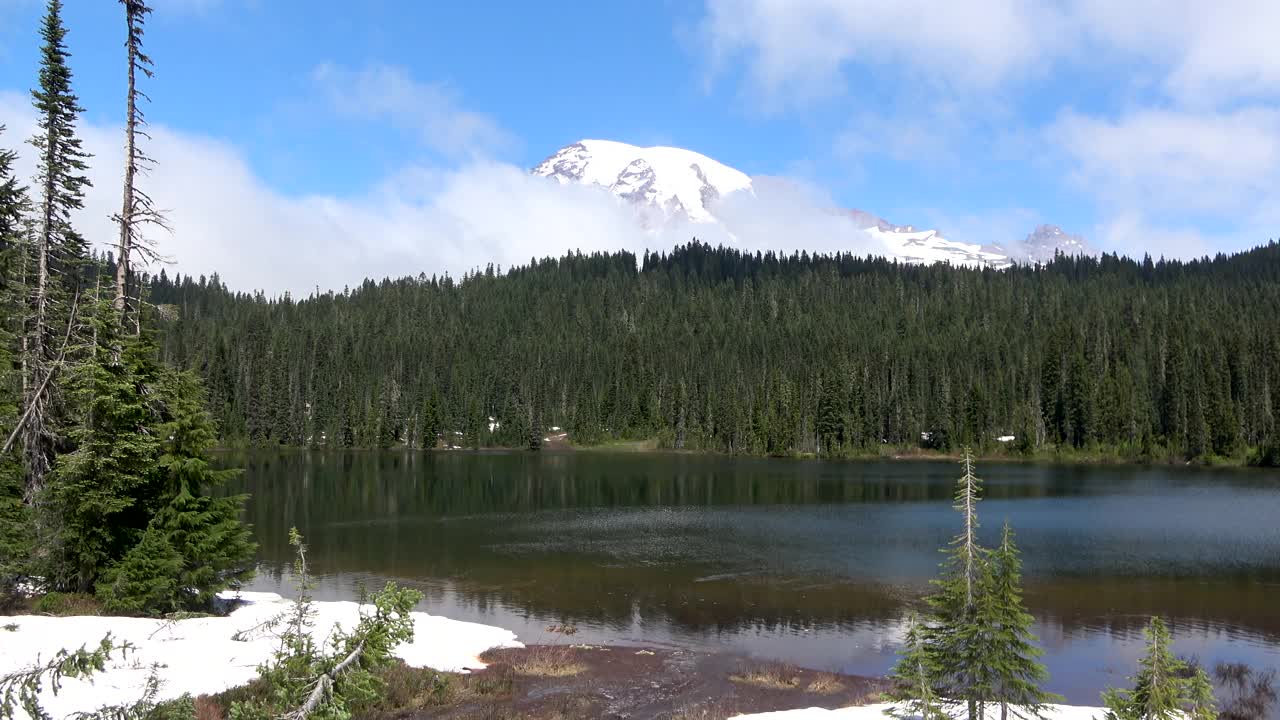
(569, 681)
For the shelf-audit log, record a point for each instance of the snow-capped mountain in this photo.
(670, 185)
(910, 244)
(1041, 244)
(680, 183)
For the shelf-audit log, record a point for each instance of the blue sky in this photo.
(1147, 126)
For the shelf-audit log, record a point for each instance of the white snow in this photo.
(927, 247)
(1006, 438)
(876, 712)
(199, 655)
(666, 177)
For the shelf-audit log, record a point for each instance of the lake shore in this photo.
(452, 669)
(887, 452)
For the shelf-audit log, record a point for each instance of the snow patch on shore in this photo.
(199, 655)
(877, 712)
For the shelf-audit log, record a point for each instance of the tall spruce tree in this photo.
(59, 252)
(1018, 672)
(1165, 688)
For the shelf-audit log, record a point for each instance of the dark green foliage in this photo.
(714, 349)
(1015, 657)
(976, 647)
(1165, 688)
(1268, 454)
(57, 254)
(194, 544)
(132, 502)
(962, 632)
(145, 582)
(15, 521)
(100, 496)
(215, 547)
(913, 679)
(62, 178)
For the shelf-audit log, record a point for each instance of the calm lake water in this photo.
(810, 562)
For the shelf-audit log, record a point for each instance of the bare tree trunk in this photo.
(36, 441)
(324, 684)
(124, 248)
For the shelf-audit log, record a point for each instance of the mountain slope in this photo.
(669, 185)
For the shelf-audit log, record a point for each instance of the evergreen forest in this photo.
(709, 348)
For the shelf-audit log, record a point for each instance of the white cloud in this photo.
(389, 93)
(1215, 162)
(421, 219)
(1210, 52)
(796, 48)
(1184, 128)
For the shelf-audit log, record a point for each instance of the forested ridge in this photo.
(710, 348)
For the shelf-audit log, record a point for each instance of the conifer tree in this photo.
(1015, 655)
(58, 252)
(1165, 688)
(146, 581)
(962, 636)
(99, 491)
(15, 536)
(912, 692)
(205, 529)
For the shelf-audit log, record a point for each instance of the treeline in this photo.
(715, 349)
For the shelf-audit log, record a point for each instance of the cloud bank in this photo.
(422, 219)
(1178, 148)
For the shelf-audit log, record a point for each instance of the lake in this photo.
(811, 562)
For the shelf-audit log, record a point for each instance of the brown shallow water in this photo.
(809, 562)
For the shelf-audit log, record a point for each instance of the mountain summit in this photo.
(680, 183)
(671, 185)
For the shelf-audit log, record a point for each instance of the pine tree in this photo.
(1165, 688)
(1015, 657)
(59, 252)
(912, 691)
(963, 633)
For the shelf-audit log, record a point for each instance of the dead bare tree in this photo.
(137, 209)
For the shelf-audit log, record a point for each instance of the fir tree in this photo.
(146, 581)
(99, 490)
(963, 635)
(1165, 688)
(59, 251)
(912, 692)
(1015, 655)
(205, 529)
